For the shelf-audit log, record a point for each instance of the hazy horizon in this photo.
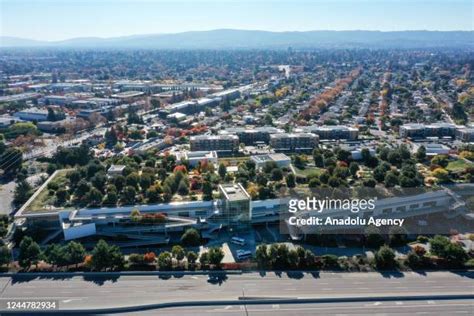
(211, 30)
(56, 20)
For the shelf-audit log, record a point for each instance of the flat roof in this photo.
(271, 157)
(211, 137)
(234, 192)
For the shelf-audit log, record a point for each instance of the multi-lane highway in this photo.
(427, 307)
(81, 292)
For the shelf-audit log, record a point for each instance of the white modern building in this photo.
(196, 157)
(280, 159)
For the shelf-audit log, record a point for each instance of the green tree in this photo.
(111, 137)
(391, 179)
(292, 259)
(343, 155)
(105, 256)
(455, 255)
(183, 188)
(385, 258)
(299, 162)
(353, 168)
(192, 257)
(404, 152)
(75, 253)
(215, 256)
(370, 182)
(261, 254)
(136, 259)
(277, 174)
(55, 255)
(30, 252)
(318, 159)
(62, 195)
(22, 193)
(204, 259)
(334, 182)
(178, 252)
(5, 255)
(165, 261)
(291, 180)
(421, 154)
(129, 195)
(153, 194)
(82, 189)
(191, 238)
(145, 181)
(314, 183)
(94, 197)
(394, 158)
(222, 170)
(440, 160)
(110, 198)
(278, 254)
(133, 179)
(438, 245)
(207, 191)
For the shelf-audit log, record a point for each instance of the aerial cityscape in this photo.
(216, 168)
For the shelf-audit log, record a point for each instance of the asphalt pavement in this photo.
(82, 292)
(428, 307)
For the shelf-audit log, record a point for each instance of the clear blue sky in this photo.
(63, 19)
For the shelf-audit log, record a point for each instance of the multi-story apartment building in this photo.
(254, 136)
(333, 131)
(431, 130)
(294, 142)
(222, 144)
(465, 134)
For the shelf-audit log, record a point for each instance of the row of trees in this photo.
(280, 257)
(30, 253)
(104, 257)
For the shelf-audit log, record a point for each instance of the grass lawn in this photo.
(44, 200)
(308, 171)
(232, 161)
(458, 165)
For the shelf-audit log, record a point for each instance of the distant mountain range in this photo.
(247, 39)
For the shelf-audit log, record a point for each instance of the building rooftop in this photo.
(127, 94)
(211, 137)
(234, 192)
(270, 157)
(116, 168)
(293, 135)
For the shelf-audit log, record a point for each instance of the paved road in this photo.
(86, 292)
(386, 308)
(6, 197)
